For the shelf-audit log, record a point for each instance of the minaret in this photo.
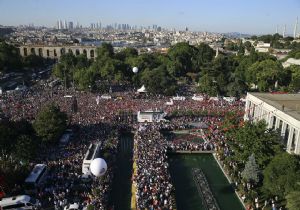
(284, 30)
(295, 28)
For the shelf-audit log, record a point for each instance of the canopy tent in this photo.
(142, 89)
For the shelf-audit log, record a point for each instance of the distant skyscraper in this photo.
(284, 30)
(60, 25)
(295, 28)
(70, 26)
(77, 25)
(66, 25)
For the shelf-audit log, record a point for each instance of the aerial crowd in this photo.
(98, 120)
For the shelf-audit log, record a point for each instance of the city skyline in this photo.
(255, 17)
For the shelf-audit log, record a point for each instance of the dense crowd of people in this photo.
(65, 184)
(153, 181)
(92, 110)
(95, 117)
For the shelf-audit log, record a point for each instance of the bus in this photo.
(35, 178)
(92, 153)
(19, 202)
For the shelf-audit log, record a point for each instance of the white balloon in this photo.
(135, 70)
(98, 167)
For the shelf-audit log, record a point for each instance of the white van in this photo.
(19, 202)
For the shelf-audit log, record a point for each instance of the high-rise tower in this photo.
(66, 25)
(60, 25)
(295, 28)
(284, 30)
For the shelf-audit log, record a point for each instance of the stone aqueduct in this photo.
(55, 52)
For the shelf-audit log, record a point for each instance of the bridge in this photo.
(56, 51)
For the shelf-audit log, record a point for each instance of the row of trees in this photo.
(262, 161)
(224, 75)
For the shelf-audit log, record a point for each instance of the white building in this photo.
(151, 116)
(262, 47)
(291, 61)
(280, 111)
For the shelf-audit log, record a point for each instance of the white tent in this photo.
(178, 98)
(229, 99)
(142, 89)
(170, 103)
(197, 98)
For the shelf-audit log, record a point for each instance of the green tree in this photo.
(183, 56)
(10, 58)
(126, 54)
(33, 61)
(236, 88)
(247, 45)
(81, 61)
(90, 207)
(84, 78)
(255, 138)
(106, 50)
(50, 123)
(159, 80)
(295, 78)
(65, 68)
(7, 137)
(293, 200)
(266, 74)
(281, 175)
(251, 171)
(25, 148)
(204, 55)
(207, 84)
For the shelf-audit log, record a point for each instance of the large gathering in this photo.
(118, 116)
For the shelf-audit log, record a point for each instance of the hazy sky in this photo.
(246, 16)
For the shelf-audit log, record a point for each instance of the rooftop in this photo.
(291, 102)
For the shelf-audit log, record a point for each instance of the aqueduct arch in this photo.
(56, 52)
(40, 52)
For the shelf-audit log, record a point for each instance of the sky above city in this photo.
(245, 16)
